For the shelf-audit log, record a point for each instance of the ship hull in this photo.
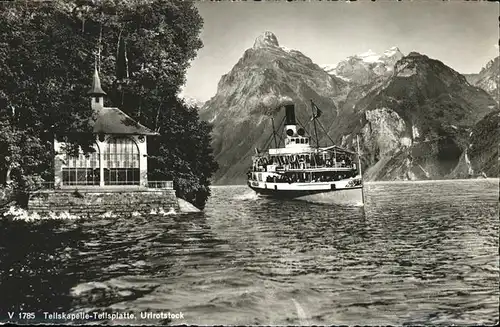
(325, 194)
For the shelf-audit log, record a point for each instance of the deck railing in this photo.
(289, 167)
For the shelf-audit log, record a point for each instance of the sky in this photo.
(463, 35)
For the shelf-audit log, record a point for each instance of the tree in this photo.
(182, 152)
(142, 48)
(39, 96)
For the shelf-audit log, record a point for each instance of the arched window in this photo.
(121, 162)
(81, 170)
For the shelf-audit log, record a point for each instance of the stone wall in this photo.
(91, 203)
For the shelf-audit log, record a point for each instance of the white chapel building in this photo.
(120, 157)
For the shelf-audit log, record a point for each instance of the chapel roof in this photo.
(115, 121)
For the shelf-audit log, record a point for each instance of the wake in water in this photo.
(326, 203)
(253, 196)
(247, 196)
(301, 313)
(493, 180)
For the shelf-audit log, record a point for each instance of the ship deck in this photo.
(312, 169)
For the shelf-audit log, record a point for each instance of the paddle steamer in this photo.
(301, 171)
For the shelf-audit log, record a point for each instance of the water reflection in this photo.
(416, 254)
(35, 260)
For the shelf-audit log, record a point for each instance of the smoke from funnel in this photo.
(284, 101)
(273, 101)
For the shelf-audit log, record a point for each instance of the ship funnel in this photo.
(290, 114)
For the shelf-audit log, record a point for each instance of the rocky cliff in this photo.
(415, 125)
(488, 78)
(480, 156)
(415, 117)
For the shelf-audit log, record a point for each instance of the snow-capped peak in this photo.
(391, 51)
(330, 69)
(356, 68)
(192, 101)
(368, 53)
(369, 56)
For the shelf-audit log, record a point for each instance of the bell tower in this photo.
(96, 93)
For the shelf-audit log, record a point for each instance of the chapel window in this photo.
(121, 162)
(82, 169)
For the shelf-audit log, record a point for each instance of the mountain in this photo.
(249, 96)
(364, 68)
(416, 124)
(488, 78)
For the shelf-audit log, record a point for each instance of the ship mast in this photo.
(359, 157)
(314, 121)
(274, 133)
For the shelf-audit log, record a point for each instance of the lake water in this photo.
(418, 253)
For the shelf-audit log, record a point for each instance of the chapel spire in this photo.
(96, 92)
(96, 89)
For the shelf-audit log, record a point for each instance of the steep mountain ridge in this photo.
(415, 125)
